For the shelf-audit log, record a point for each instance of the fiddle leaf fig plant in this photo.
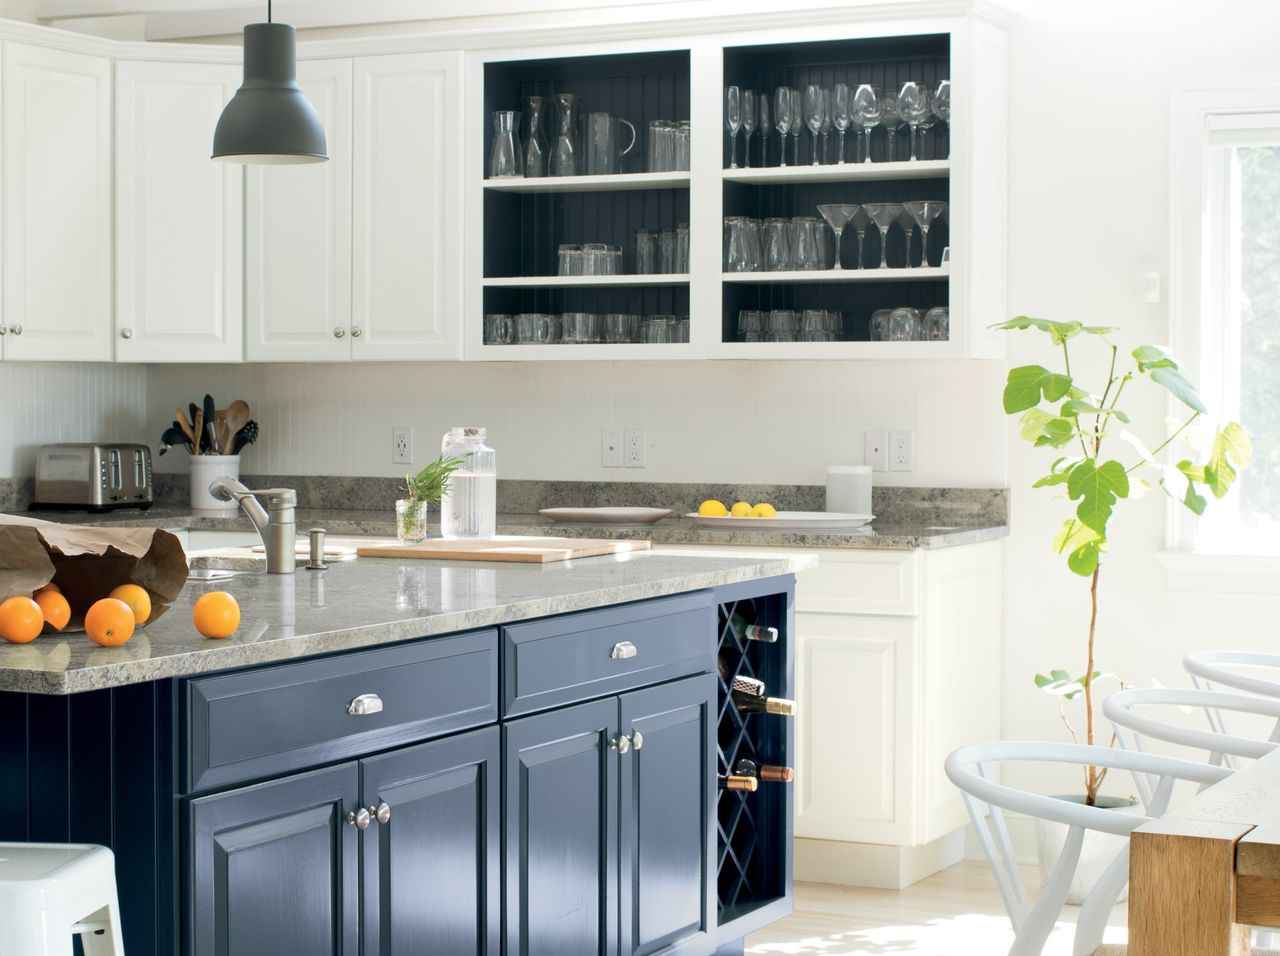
(1096, 473)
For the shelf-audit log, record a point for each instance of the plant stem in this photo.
(1066, 361)
(1168, 441)
(1092, 780)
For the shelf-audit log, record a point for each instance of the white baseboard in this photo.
(875, 865)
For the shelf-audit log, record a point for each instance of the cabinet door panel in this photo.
(179, 216)
(298, 238)
(432, 873)
(561, 782)
(407, 207)
(57, 205)
(273, 868)
(666, 824)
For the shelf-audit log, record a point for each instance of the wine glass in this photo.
(840, 116)
(733, 120)
(783, 117)
(797, 124)
(924, 212)
(766, 129)
(915, 105)
(942, 108)
(860, 220)
(866, 106)
(749, 117)
(826, 125)
(813, 116)
(908, 224)
(837, 216)
(883, 215)
(891, 119)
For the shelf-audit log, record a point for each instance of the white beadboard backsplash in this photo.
(778, 422)
(96, 402)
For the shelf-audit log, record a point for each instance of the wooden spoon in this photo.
(199, 429)
(185, 426)
(237, 417)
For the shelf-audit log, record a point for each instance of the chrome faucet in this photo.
(277, 527)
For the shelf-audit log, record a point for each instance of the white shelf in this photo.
(585, 282)
(918, 274)
(622, 182)
(846, 172)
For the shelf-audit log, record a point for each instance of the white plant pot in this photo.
(205, 468)
(1096, 854)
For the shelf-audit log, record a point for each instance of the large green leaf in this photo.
(1081, 544)
(1059, 473)
(1043, 428)
(1098, 487)
(1179, 385)
(1084, 559)
(1028, 383)
(1152, 356)
(1231, 445)
(1059, 332)
(1078, 406)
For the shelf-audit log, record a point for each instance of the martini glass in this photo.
(838, 216)
(883, 215)
(866, 106)
(915, 105)
(859, 220)
(890, 119)
(924, 212)
(942, 107)
(908, 224)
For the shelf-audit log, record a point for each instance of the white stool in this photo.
(52, 891)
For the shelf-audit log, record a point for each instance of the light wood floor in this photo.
(955, 913)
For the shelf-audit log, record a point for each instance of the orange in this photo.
(216, 614)
(48, 587)
(54, 607)
(109, 622)
(21, 620)
(137, 598)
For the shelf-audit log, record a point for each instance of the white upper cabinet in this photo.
(407, 207)
(179, 216)
(298, 238)
(56, 162)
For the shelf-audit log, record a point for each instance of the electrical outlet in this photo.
(633, 446)
(876, 450)
(402, 445)
(67, 432)
(611, 447)
(902, 451)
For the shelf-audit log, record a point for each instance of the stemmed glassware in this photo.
(924, 212)
(942, 108)
(860, 220)
(840, 116)
(883, 215)
(866, 106)
(748, 124)
(766, 129)
(915, 105)
(784, 117)
(825, 127)
(813, 116)
(733, 120)
(908, 224)
(797, 124)
(838, 216)
(891, 119)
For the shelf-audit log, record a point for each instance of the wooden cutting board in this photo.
(503, 548)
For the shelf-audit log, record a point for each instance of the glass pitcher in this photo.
(535, 143)
(564, 152)
(469, 508)
(504, 158)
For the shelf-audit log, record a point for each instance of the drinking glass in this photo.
(612, 261)
(550, 329)
(527, 328)
(866, 106)
(733, 120)
(924, 212)
(666, 251)
(569, 260)
(661, 147)
(860, 220)
(804, 247)
(904, 325)
(504, 158)
(825, 126)
(914, 103)
(564, 155)
(749, 119)
(535, 143)
(878, 327)
(683, 145)
(682, 247)
(891, 119)
(840, 115)
(660, 329)
(814, 326)
(498, 329)
(936, 326)
(883, 214)
(837, 216)
(813, 116)
(750, 325)
(766, 129)
(742, 252)
(617, 328)
(583, 328)
(778, 254)
(646, 252)
(783, 117)
(682, 328)
(942, 108)
(782, 322)
(593, 254)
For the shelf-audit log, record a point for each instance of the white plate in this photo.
(605, 515)
(788, 521)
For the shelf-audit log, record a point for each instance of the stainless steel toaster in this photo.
(93, 476)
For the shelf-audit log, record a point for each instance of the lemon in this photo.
(741, 509)
(712, 509)
(764, 510)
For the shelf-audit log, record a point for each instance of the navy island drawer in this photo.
(265, 722)
(560, 660)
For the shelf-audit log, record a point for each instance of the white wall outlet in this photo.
(402, 445)
(67, 432)
(876, 450)
(633, 447)
(611, 447)
(902, 451)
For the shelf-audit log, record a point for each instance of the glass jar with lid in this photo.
(470, 504)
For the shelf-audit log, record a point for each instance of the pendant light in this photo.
(269, 120)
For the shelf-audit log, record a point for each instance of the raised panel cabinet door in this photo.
(56, 165)
(666, 824)
(274, 868)
(179, 216)
(407, 207)
(433, 871)
(298, 238)
(560, 776)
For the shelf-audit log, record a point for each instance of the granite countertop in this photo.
(366, 602)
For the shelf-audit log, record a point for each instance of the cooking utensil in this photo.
(176, 435)
(198, 432)
(237, 416)
(210, 413)
(246, 436)
(186, 426)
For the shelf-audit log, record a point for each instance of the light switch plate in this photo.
(611, 447)
(876, 450)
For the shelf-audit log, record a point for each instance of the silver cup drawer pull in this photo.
(365, 705)
(623, 651)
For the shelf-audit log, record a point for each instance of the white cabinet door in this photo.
(298, 238)
(179, 216)
(407, 207)
(57, 205)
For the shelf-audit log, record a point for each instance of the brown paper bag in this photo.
(87, 563)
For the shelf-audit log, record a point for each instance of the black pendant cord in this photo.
(268, 11)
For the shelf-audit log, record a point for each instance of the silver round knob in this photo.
(356, 331)
(16, 329)
(126, 333)
(3, 330)
(382, 812)
(359, 818)
(637, 739)
(339, 333)
(621, 744)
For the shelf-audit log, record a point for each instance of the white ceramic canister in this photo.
(849, 489)
(205, 468)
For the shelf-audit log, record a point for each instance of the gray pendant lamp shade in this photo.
(269, 120)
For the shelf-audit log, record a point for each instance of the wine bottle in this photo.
(748, 685)
(752, 704)
(747, 784)
(754, 632)
(771, 773)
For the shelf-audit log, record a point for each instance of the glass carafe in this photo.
(564, 152)
(504, 158)
(535, 143)
(470, 504)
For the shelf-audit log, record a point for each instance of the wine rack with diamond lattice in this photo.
(753, 845)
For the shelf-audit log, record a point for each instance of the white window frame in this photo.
(1196, 231)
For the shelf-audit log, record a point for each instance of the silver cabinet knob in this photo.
(382, 812)
(623, 650)
(339, 332)
(637, 739)
(359, 818)
(365, 705)
(621, 744)
(126, 333)
(16, 329)
(356, 331)
(4, 329)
